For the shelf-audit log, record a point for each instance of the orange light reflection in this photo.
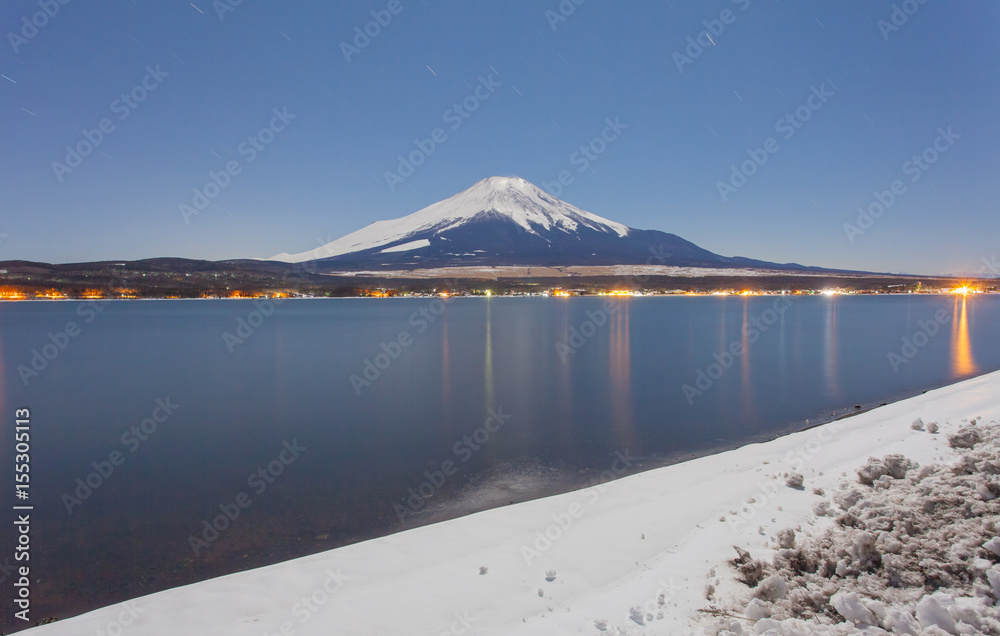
(962, 362)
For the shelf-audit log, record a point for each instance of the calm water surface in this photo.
(578, 383)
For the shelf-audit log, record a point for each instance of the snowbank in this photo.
(913, 550)
(653, 553)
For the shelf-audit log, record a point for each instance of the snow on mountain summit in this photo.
(509, 198)
(524, 203)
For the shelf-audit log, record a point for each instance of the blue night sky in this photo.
(554, 81)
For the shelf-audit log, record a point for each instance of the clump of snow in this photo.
(901, 621)
(847, 498)
(725, 627)
(881, 472)
(918, 424)
(757, 609)
(965, 438)
(897, 465)
(934, 610)
(849, 605)
(865, 556)
(915, 550)
(749, 570)
(550, 576)
(636, 614)
(822, 509)
(988, 492)
(795, 480)
(932, 427)
(786, 538)
(993, 545)
(772, 588)
(872, 471)
(993, 577)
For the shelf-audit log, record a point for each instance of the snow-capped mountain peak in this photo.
(496, 198)
(523, 203)
(507, 221)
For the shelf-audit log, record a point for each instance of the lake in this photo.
(174, 441)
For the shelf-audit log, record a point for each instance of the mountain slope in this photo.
(503, 198)
(509, 221)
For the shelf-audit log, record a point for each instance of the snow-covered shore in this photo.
(633, 556)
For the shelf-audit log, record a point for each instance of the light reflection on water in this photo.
(746, 392)
(830, 376)
(488, 373)
(620, 375)
(961, 344)
(620, 390)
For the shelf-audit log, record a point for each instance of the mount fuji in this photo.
(503, 221)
